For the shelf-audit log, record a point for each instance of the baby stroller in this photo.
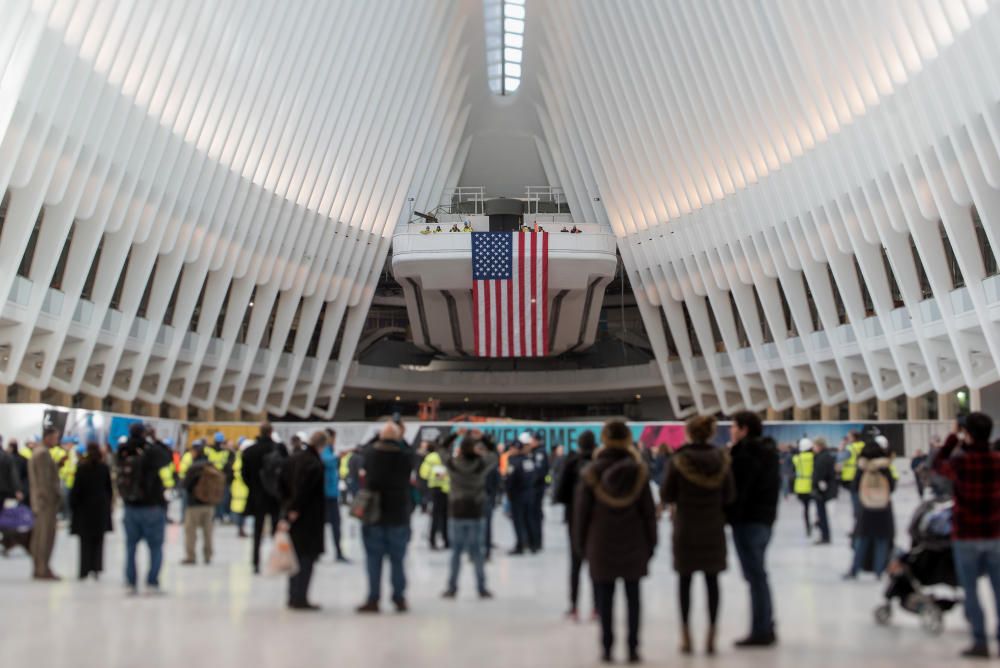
(929, 563)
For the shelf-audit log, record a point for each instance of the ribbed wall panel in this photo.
(763, 147)
(231, 149)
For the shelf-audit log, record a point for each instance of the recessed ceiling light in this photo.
(397, 398)
(368, 397)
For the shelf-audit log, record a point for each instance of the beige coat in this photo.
(43, 475)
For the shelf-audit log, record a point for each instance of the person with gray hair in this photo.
(388, 464)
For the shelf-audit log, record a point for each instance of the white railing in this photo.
(537, 194)
(474, 194)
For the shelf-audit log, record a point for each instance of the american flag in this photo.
(510, 281)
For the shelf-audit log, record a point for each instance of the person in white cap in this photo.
(803, 486)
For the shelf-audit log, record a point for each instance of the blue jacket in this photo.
(331, 467)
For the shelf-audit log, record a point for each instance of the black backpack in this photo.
(129, 478)
(271, 473)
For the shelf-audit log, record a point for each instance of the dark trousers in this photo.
(298, 584)
(822, 518)
(91, 554)
(520, 509)
(383, 542)
(604, 592)
(488, 530)
(333, 519)
(258, 531)
(805, 500)
(439, 517)
(575, 566)
(535, 518)
(751, 541)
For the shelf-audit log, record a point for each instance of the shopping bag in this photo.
(282, 559)
(17, 519)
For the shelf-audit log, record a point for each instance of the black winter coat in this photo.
(90, 499)
(565, 490)
(258, 500)
(614, 524)
(304, 479)
(757, 475)
(700, 484)
(154, 457)
(388, 466)
(825, 472)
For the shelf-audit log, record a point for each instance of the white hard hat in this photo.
(122, 440)
(526, 438)
(882, 442)
(805, 444)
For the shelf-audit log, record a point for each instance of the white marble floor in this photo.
(222, 616)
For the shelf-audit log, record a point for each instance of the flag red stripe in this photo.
(510, 318)
(486, 301)
(497, 320)
(534, 291)
(545, 293)
(519, 241)
(475, 316)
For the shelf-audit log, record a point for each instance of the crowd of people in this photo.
(613, 492)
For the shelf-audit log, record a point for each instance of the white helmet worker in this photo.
(805, 445)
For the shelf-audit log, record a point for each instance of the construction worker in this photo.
(186, 461)
(803, 487)
(238, 490)
(849, 469)
(220, 456)
(435, 473)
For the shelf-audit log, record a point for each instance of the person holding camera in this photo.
(974, 468)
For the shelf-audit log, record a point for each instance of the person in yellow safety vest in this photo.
(849, 470)
(238, 490)
(803, 486)
(61, 456)
(433, 470)
(220, 455)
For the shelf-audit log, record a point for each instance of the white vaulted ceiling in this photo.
(194, 188)
(762, 147)
(258, 151)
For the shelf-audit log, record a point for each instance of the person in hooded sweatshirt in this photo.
(565, 493)
(698, 487)
(468, 471)
(614, 528)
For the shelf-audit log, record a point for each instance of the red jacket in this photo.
(975, 471)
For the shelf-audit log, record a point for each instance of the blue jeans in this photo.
(467, 536)
(751, 541)
(381, 542)
(144, 523)
(974, 558)
(862, 545)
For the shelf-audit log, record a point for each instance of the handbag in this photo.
(17, 519)
(367, 507)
